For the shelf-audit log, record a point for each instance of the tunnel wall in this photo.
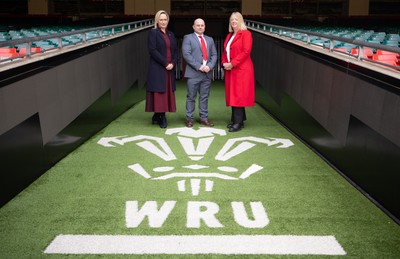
(347, 113)
(49, 107)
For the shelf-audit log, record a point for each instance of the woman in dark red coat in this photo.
(162, 46)
(239, 71)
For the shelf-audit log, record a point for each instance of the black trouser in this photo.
(238, 115)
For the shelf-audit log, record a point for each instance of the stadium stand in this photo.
(15, 42)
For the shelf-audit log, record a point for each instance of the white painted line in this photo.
(195, 186)
(209, 185)
(235, 244)
(181, 185)
(251, 170)
(190, 175)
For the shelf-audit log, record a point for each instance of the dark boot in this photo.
(156, 118)
(231, 123)
(237, 119)
(236, 127)
(163, 121)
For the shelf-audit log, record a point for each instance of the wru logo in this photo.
(197, 211)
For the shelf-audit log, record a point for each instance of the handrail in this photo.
(262, 27)
(29, 40)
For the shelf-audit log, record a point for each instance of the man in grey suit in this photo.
(200, 59)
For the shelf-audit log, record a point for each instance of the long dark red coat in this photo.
(157, 74)
(239, 82)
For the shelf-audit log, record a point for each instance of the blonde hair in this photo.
(242, 25)
(157, 17)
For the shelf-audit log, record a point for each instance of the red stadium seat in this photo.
(8, 50)
(389, 62)
(386, 58)
(385, 52)
(8, 55)
(22, 51)
(367, 52)
(341, 50)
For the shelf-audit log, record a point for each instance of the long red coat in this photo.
(239, 82)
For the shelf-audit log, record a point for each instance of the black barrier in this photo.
(344, 111)
(51, 106)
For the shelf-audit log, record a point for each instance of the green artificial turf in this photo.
(86, 192)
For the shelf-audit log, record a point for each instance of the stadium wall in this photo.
(49, 107)
(348, 113)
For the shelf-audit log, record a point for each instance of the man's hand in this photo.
(204, 69)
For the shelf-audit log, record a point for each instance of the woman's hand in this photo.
(170, 66)
(227, 66)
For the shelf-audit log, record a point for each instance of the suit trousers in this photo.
(201, 85)
(238, 115)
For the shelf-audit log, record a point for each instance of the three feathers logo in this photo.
(187, 137)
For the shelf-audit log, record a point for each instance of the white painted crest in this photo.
(196, 173)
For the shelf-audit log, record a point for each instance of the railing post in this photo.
(28, 49)
(60, 42)
(360, 52)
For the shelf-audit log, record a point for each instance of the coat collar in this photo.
(196, 36)
(166, 31)
(237, 36)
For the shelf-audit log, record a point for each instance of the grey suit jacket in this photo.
(191, 51)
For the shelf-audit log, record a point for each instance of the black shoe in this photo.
(236, 127)
(231, 123)
(156, 118)
(163, 122)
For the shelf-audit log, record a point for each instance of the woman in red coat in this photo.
(239, 71)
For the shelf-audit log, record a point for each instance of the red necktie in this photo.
(203, 48)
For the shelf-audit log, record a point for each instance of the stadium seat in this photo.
(386, 58)
(8, 55)
(8, 50)
(341, 50)
(22, 51)
(389, 62)
(367, 52)
(385, 52)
